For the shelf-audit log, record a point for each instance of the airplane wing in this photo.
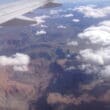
(15, 10)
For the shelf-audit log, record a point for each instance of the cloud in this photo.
(92, 11)
(68, 15)
(76, 20)
(90, 68)
(44, 26)
(72, 43)
(54, 12)
(40, 19)
(88, 55)
(70, 1)
(70, 68)
(41, 32)
(96, 61)
(18, 61)
(96, 56)
(106, 70)
(61, 27)
(57, 11)
(99, 34)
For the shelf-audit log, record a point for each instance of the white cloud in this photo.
(96, 57)
(88, 55)
(18, 61)
(70, 68)
(89, 68)
(99, 34)
(106, 71)
(41, 32)
(44, 26)
(76, 20)
(70, 9)
(68, 15)
(105, 23)
(57, 11)
(96, 61)
(72, 43)
(40, 19)
(61, 27)
(54, 12)
(92, 11)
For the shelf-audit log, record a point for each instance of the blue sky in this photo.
(6, 1)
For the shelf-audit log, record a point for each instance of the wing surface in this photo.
(13, 10)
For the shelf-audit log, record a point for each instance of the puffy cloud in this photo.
(54, 12)
(105, 23)
(18, 61)
(72, 43)
(76, 20)
(57, 12)
(90, 68)
(106, 71)
(92, 57)
(41, 32)
(68, 15)
(96, 60)
(99, 34)
(70, 68)
(61, 27)
(40, 19)
(44, 26)
(92, 11)
(70, 1)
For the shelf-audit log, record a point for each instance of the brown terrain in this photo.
(48, 84)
